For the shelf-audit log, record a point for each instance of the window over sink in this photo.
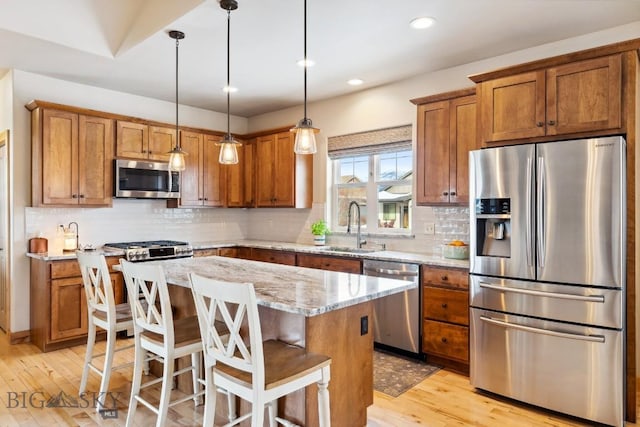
(375, 169)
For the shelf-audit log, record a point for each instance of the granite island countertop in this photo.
(297, 290)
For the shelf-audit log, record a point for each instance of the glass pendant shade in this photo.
(305, 137)
(228, 151)
(176, 159)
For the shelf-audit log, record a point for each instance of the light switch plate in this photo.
(429, 228)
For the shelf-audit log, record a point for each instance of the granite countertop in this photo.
(297, 290)
(383, 255)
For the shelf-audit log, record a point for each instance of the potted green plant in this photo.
(319, 229)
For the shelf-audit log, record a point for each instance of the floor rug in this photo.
(394, 374)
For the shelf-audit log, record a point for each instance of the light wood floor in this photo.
(28, 378)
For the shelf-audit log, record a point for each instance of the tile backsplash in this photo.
(130, 220)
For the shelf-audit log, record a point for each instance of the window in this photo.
(381, 184)
(374, 169)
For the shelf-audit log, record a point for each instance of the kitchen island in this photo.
(323, 311)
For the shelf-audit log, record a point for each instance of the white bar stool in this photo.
(260, 372)
(156, 332)
(105, 314)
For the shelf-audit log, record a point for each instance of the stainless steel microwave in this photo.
(142, 179)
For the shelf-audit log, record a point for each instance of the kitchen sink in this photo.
(348, 249)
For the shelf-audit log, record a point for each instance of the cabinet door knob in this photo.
(453, 193)
(443, 339)
(444, 277)
(539, 124)
(552, 122)
(444, 305)
(445, 193)
(82, 196)
(74, 196)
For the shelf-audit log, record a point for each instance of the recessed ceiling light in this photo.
(229, 89)
(308, 62)
(422, 22)
(355, 82)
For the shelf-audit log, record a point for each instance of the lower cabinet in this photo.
(445, 314)
(273, 255)
(205, 252)
(58, 303)
(331, 263)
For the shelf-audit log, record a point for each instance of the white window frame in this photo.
(372, 197)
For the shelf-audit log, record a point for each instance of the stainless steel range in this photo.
(152, 250)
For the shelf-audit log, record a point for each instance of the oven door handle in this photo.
(587, 298)
(590, 338)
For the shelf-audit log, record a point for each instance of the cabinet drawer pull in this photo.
(444, 278)
(444, 305)
(552, 122)
(444, 340)
(453, 193)
(539, 124)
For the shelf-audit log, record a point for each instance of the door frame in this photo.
(4, 141)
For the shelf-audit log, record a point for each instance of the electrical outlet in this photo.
(364, 325)
(429, 228)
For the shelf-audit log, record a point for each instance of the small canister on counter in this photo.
(38, 245)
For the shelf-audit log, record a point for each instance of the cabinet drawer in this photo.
(274, 256)
(228, 252)
(344, 265)
(446, 305)
(70, 268)
(205, 252)
(446, 340)
(449, 277)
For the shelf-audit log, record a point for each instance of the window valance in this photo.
(370, 142)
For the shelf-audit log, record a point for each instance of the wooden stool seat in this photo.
(123, 313)
(282, 362)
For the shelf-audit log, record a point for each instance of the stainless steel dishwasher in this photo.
(396, 318)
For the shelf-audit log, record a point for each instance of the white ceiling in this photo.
(123, 44)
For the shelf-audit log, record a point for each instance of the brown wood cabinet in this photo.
(283, 178)
(58, 302)
(445, 312)
(446, 133)
(331, 263)
(205, 252)
(241, 178)
(582, 96)
(203, 182)
(273, 255)
(71, 158)
(137, 140)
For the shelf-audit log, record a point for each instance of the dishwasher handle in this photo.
(389, 272)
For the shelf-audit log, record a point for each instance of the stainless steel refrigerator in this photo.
(547, 275)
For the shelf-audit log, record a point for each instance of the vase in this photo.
(319, 240)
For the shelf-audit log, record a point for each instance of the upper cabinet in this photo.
(563, 99)
(283, 178)
(203, 181)
(241, 177)
(446, 132)
(71, 157)
(142, 141)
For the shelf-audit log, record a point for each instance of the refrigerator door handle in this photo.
(528, 212)
(591, 338)
(540, 249)
(586, 298)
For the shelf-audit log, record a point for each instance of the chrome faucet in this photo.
(359, 241)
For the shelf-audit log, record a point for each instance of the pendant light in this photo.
(305, 132)
(228, 145)
(176, 158)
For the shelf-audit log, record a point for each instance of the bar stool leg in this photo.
(195, 376)
(165, 394)
(136, 382)
(91, 339)
(108, 362)
(323, 399)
